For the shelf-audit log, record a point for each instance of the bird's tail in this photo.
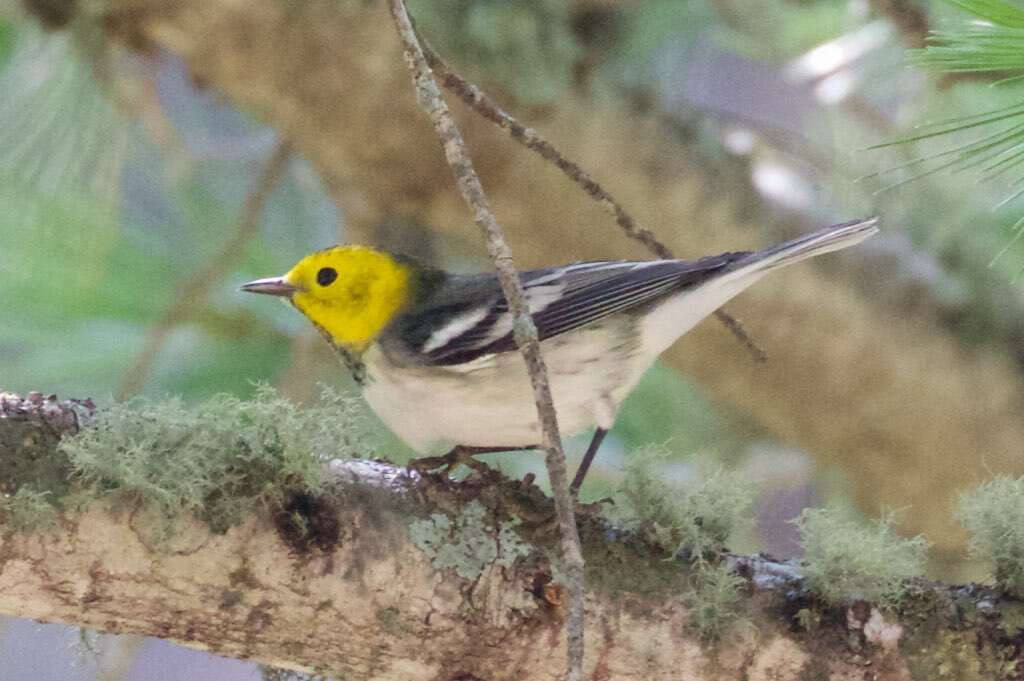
(809, 245)
(679, 314)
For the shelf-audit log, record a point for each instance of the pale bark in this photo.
(374, 604)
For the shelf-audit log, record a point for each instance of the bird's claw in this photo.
(448, 463)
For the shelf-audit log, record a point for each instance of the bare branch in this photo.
(195, 289)
(429, 97)
(478, 101)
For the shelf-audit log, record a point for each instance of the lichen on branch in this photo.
(221, 460)
(393, 558)
(993, 513)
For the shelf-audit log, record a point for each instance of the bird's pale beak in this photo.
(272, 286)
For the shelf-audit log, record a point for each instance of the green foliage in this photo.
(697, 521)
(27, 510)
(994, 515)
(773, 30)
(993, 45)
(846, 560)
(998, 12)
(658, 23)
(526, 45)
(469, 542)
(990, 45)
(7, 37)
(81, 150)
(219, 460)
(665, 407)
(100, 227)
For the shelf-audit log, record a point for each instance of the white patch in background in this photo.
(605, 410)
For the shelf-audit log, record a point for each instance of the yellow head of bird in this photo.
(349, 292)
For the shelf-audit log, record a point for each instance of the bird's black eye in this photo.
(326, 276)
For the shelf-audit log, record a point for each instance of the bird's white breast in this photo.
(489, 402)
(592, 369)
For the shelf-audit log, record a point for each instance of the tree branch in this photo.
(525, 331)
(388, 601)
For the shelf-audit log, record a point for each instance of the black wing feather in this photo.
(589, 292)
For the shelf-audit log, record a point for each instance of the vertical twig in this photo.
(429, 97)
(194, 290)
(478, 101)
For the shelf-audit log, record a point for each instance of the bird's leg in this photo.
(460, 455)
(588, 458)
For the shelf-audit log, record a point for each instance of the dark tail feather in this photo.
(821, 241)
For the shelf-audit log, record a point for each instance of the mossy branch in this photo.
(410, 577)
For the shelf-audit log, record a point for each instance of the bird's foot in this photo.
(448, 463)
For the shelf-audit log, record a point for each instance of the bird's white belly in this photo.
(490, 401)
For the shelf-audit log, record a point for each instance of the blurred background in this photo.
(148, 166)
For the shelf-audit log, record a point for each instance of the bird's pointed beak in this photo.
(271, 286)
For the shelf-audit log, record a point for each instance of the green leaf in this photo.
(993, 45)
(999, 12)
(8, 35)
(59, 132)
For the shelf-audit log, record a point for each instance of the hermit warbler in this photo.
(435, 355)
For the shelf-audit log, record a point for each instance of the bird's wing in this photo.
(470, 317)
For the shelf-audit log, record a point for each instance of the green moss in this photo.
(27, 510)
(469, 542)
(846, 560)
(617, 567)
(994, 515)
(808, 619)
(697, 520)
(29, 460)
(219, 460)
(714, 600)
(1011, 617)
(954, 655)
(390, 621)
(693, 523)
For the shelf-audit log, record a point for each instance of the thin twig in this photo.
(194, 290)
(429, 97)
(478, 101)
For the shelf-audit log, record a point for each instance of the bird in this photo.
(436, 359)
